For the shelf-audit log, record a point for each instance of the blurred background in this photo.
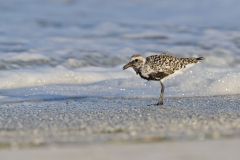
(62, 83)
(82, 45)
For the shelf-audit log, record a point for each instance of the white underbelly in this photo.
(179, 72)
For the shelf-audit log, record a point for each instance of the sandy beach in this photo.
(89, 127)
(97, 120)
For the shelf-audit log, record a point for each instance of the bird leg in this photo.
(160, 102)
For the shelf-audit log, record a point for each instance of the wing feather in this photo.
(162, 63)
(167, 63)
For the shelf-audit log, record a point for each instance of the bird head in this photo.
(136, 62)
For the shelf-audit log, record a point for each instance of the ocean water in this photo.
(73, 48)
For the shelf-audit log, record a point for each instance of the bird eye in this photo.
(136, 60)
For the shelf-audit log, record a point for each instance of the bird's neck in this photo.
(138, 70)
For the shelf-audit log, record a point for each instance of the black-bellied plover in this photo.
(158, 67)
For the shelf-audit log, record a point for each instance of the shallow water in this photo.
(57, 48)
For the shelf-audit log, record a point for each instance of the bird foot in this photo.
(156, 104)
(159, 103)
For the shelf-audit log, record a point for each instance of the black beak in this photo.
(127, 66)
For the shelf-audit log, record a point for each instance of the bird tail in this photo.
(200, 58)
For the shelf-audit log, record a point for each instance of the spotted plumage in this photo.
(158, 67)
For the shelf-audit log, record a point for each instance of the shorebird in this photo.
(159, 67)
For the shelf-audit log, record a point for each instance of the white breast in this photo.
(146, 70)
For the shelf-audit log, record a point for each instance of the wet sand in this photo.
(121, 128)
(104, 120)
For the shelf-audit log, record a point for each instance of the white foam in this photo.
(228, 84)
(198, 81)
(44, 76)
(204, 81)
(26, 57)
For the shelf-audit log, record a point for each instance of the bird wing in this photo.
(162, 63)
